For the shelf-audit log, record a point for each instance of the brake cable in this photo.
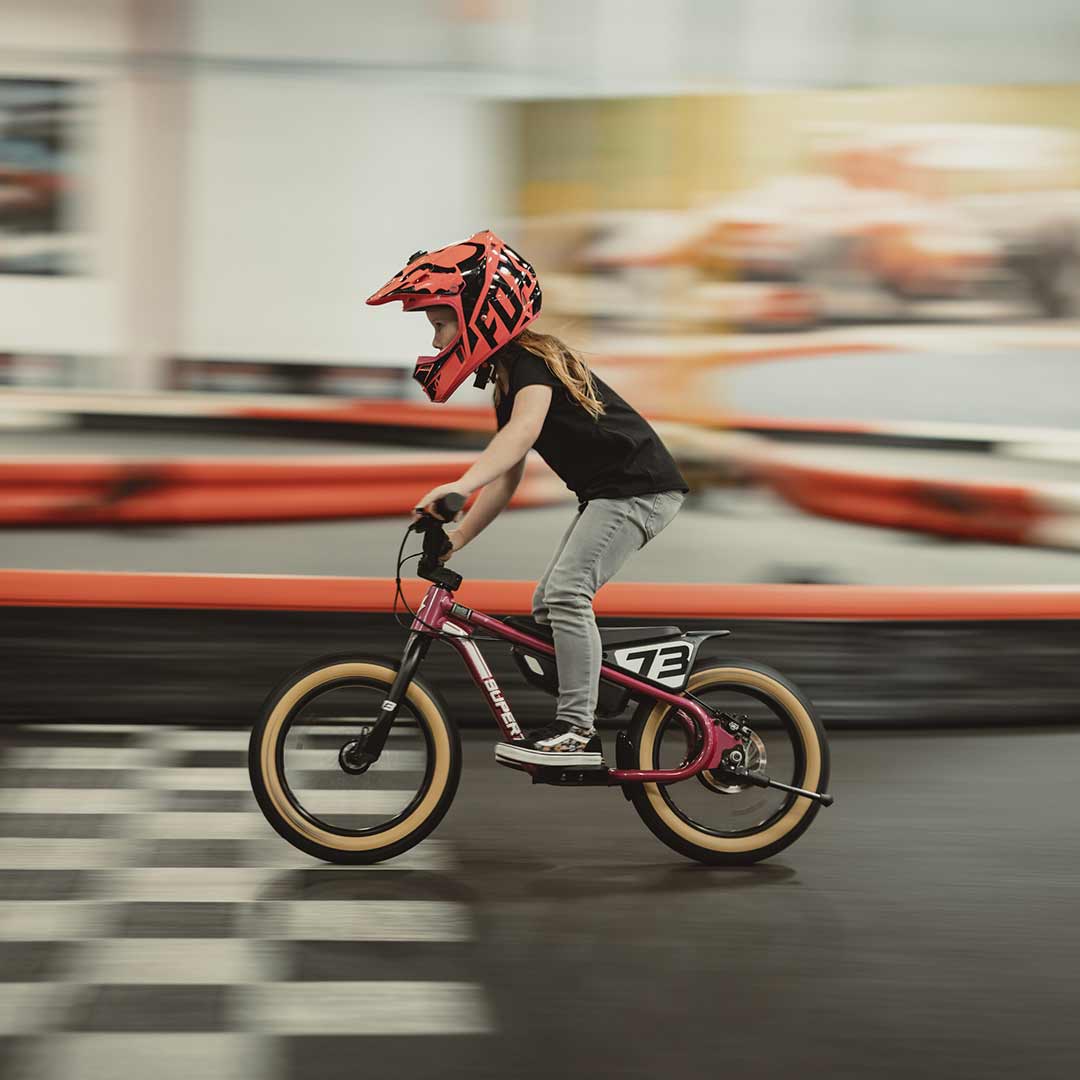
(399, 594)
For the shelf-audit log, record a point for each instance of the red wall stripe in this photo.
(62, 588)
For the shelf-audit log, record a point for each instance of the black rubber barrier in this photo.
(168, 666)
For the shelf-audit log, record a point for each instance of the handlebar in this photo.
(436, 542)
(447, 508)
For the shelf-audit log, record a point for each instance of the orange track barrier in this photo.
(61, 588)
(480, 419)
(998, 512)
(79, 491)
(380, 414)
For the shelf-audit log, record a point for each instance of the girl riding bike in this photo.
(353, 758)
(480, 297)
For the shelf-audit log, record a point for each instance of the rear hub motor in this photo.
(749, 754)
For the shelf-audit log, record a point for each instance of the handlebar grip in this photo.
(449, 505)
(447, 508)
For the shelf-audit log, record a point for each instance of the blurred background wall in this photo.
(248, 173)
(239, 174)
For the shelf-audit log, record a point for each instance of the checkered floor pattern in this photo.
(153, 925)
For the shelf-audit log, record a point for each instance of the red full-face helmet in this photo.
(493, 290)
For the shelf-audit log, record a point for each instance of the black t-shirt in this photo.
(612, 457)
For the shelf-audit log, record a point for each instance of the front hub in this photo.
(352, 758)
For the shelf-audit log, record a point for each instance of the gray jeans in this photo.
(600, 539)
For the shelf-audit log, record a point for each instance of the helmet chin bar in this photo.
(422, 374)
(428, 369)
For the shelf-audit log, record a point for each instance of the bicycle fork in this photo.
(361, 753)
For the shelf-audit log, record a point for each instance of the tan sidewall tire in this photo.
(740, 848)
(305, 834)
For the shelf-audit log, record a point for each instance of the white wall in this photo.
(305, 195)
(44, 26)
(387, 33)
(325, 148)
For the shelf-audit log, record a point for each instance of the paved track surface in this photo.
(934, 465)
(734, 537)
(75, 442)
(151, 924)
(1016, 385)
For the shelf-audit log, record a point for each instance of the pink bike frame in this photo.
(440, 613)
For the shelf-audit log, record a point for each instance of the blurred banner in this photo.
(51, 370)
(796, 210)
(36, 177)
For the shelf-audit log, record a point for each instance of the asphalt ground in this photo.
(1009, 385)
(934, 464)
(920, 927)
(731, 536)
(78, 442)
(152, 924)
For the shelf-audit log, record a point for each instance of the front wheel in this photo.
(713, 817)
(305, 792)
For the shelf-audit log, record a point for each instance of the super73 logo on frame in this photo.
(665, 664)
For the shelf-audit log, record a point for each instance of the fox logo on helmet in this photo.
(493, 290)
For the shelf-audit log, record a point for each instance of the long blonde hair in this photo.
(564, 363)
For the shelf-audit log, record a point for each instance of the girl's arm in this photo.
(511, 444)
(489, 504)
(506, 450)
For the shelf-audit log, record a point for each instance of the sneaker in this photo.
(558, 744)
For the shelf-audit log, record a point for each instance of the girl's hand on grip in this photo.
(427, 503)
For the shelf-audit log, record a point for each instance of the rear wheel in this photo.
(301, 783)
(714, 817)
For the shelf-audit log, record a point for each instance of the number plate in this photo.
(667, 663)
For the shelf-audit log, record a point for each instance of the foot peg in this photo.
(560, 776)
(571, 776)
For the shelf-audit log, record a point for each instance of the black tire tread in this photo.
(701, 854)
(321, 851)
